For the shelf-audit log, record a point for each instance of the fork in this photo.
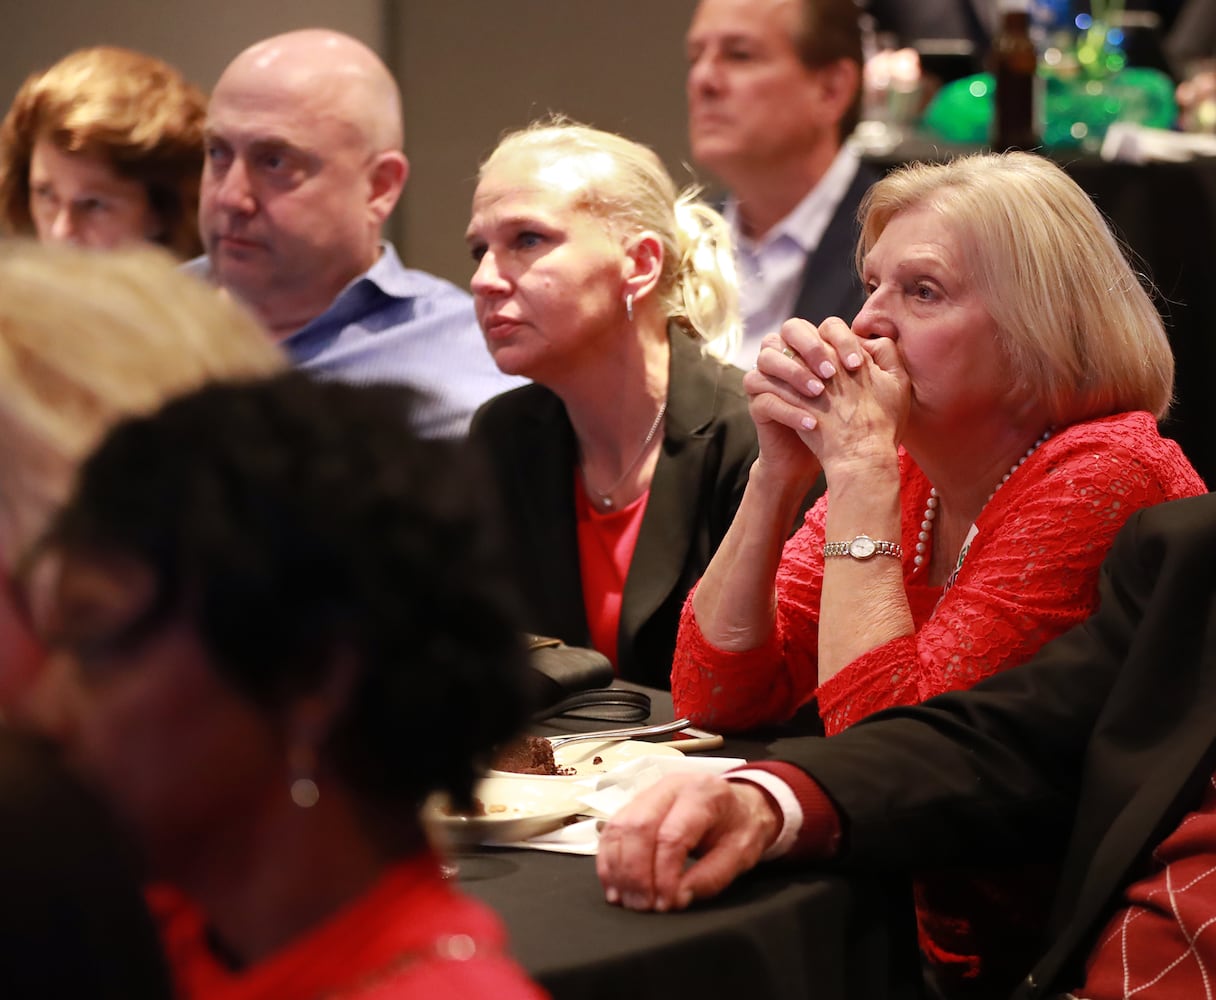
(620, 734)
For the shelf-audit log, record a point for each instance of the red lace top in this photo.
(1030, 574)
(411, 936)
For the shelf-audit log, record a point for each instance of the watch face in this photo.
(861, 547)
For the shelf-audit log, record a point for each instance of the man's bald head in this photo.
(348, 75)
(304, 164)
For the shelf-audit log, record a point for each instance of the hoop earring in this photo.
(302, 761)
(629, 306)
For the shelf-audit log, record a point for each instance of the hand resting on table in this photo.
(644, 848)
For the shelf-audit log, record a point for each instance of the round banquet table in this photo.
(778, 933)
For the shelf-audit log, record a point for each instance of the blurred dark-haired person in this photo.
(774, 89)
(105, 147)
(279, 629)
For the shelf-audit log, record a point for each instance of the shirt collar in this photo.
(386, 278)
(807, 220)
(387, 274)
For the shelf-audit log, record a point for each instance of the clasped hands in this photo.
(828, 387)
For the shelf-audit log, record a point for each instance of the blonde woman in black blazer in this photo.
(608, 289)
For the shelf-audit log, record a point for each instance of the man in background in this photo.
(774, 89)
(304, 163)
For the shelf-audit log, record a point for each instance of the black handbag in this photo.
(571, 680)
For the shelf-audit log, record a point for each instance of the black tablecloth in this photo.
(1166, 215)
(777, 934)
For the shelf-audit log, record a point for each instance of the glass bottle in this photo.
(1015, 63)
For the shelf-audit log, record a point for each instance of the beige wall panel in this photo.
(198, 36)
(474, 68)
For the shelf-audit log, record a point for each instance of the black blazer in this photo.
(709, 445)
(1091, 753)
(830, 285)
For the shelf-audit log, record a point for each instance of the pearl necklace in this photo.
(605, 496)
(930, 514)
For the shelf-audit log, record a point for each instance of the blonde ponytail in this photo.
(704, 297)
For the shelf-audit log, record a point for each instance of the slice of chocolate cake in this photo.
(528, 755)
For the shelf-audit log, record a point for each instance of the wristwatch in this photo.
(863, 547)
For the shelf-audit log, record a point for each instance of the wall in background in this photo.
(469, 70)
(472, 69)
(197, 36)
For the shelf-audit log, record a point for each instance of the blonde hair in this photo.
(1080, 330)
(87, 338)
(135, 112)
(626, 185)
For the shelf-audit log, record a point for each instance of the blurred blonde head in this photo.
(625, 184)
(131, 111)
(1081, 332)
(87, 338)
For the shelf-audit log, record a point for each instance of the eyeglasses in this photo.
(90, 644)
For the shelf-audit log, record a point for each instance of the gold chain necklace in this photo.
(604, 497)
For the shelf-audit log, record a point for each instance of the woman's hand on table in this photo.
(644, 848)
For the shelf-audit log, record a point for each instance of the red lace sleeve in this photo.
(1032, 570)
(732, 692)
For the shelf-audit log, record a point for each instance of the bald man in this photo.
(304, 164)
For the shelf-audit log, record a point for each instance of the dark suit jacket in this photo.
(709, 445)
(830, 286)
(1092, 752)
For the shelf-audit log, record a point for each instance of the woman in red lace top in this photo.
(985, 427)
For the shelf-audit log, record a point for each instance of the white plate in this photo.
(517, 806)
(590, 757)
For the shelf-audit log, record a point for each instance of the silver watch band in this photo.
(863, 547)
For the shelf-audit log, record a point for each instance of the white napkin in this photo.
(1132, 143)
(604, 794)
